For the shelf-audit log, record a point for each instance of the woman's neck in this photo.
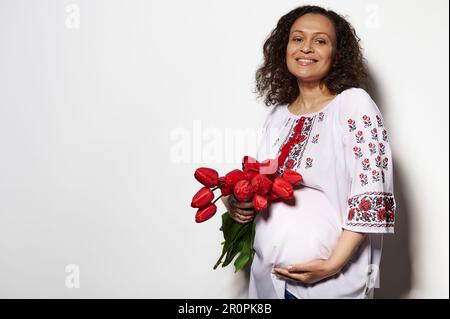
(312, 97)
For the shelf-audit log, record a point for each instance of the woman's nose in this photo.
(306, 48)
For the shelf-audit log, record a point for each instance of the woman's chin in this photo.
(306, 77)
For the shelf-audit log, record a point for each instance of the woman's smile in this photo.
(306, 62)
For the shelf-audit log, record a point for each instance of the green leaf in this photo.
(227, 223)
(253, 238)
(244, 256)
(232, 252)
(238, 243)
(235, 231)
(230, 230)
(220, 258)
(238, 240)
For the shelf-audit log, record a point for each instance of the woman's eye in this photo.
(320, 41)
(297, 39)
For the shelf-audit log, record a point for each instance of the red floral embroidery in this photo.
(381, 214)
(380, 121)
(374, 134)
(315, 139)
(379, 201)
(375, 176)
(365, 205)
(385, 138)
(385, 163)
(363, 179)
(351, 213)
(359, 137)
(366, 164)
(382, 150)
(289, 163)
(388, 205)
(372, 148)
(378, 161)
(366, 120)
(357, 151)
(309, 162)
(291, 151)
(321, 116)
(351, 125)
(371, 209)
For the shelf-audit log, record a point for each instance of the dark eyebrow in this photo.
(313, 33)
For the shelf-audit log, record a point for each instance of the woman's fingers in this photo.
(285, 274)
(242, 216)
(244, 205)
(241, 205)
(240, 220)
(241, 212)
(245, 212)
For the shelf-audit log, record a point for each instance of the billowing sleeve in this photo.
(370, 201)
(263, 148)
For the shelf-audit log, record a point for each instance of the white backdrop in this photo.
(107, 107)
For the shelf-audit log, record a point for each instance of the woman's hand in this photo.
(240, 212)
(317, 270)
(307, 273)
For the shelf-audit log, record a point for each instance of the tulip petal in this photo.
(202, 198)
(282, 188)
(243, 190)
(203, 214)
(207, 176)
(292, 177)
(259, 202)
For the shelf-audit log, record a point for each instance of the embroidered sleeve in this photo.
(370, 202)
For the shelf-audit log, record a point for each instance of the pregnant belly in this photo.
(307, 228)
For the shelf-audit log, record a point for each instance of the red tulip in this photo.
(282, 188)
(259, 202)
(272, 196)
(250, 164)
(249, 175)
(226, 190)
(227, 182)
(233, 177)
(202, 198)
(292, 177)
(205, 213)
(243, 190)
(261, 184)
(207, 176)
(269, 167)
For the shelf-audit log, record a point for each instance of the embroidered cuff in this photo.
(371, 212)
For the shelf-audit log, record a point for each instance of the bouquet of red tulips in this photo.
(256, 182)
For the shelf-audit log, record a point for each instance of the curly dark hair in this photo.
(278, 86)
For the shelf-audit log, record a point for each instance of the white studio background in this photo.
(107, 107)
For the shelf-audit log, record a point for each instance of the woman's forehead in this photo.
(313, 23)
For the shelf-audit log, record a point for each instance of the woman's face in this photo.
(310, 49)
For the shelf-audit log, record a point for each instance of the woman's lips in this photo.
(306, 62)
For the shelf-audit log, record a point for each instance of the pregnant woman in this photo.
(326, 242)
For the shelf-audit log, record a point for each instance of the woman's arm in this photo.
(317, 270)
(346, 246)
